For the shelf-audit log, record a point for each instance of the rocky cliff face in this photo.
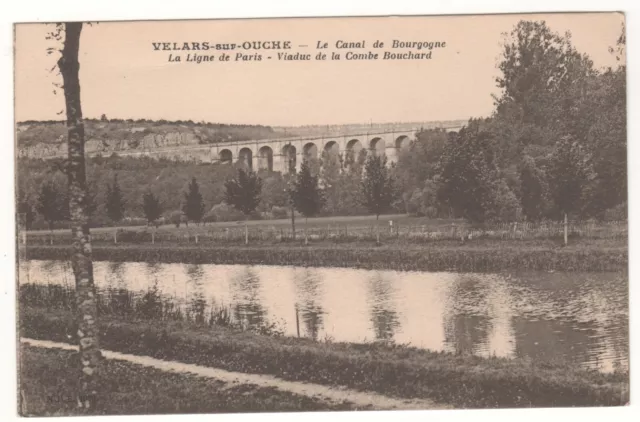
(147, 144)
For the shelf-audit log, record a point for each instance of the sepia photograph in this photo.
(321, 214)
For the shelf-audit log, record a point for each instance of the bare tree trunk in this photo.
(377, 230)
(566, 230)
(306, 237)
(86, 312)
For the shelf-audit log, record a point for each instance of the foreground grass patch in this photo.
(463, 381)
(481, 256)
(47, 388)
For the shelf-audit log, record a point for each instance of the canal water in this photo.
(577, 317)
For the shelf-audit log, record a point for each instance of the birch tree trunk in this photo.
(86, 312)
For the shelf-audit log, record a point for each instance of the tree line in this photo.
(304, 192)
(555, 146)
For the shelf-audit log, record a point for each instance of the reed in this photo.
(122, 303)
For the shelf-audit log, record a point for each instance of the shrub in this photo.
(134, 236)
(617, 213)
(279, 212)
(224, 212)
(209, 217)
(175, 217)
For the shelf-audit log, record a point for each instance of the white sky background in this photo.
(123, 77)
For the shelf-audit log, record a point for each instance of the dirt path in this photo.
(334, 394)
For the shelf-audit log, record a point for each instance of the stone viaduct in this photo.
(285, 154)
(282, 154)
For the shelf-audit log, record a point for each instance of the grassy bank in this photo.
(474, 256)
(47, 388)
(463, 381)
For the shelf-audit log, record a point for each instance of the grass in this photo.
(464, 381)
(473, 256)
(316, 222)
(47, 388)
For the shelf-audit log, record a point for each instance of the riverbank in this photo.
(473, 256)
(463, 381)
(48, 387)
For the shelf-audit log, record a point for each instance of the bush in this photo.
(224, 212)
(175, 217)
(279, 212)
(617, 213)
(134, 236)
(209, 217)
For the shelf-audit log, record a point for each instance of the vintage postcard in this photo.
(302, 214)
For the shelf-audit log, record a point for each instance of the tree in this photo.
(115, 202)
(539, 68)
(570, 173)
(90, 202)
(86, 310)
(606, 138)
(330, 173)
(151, 207)
(51, 204)
(533, 190)
(306, 195)
(274, 191)
(377, 188)
(193, 206)
(25, 208)
(243, 193)
(469, 179)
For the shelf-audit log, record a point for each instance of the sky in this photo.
(123, 76)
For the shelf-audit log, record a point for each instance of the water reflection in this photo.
(309, 296)
(466, 320)
(383, 316)
(570, 316)
(245, 297)
(196, 300)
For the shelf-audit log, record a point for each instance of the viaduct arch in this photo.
(286, 155)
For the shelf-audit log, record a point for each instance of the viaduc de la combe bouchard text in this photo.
(280, 50)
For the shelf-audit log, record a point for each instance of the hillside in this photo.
(39, 139)
(46, 139)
